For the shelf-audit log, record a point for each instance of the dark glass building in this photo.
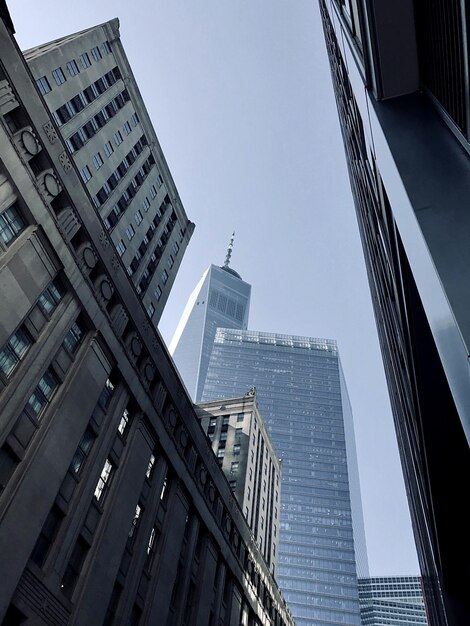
(401, 78)
(302, 395)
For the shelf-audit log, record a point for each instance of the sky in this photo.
(240, 94)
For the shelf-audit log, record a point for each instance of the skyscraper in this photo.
(392, 601)
(401, 79)
(220, 299)
(113, 509)
(302, 396)
(88, 85)
(244, 451)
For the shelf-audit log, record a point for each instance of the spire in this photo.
(229, 251)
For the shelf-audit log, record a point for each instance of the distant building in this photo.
(220, 299)
(302, 396)
(392, 601)
(246, 455)
(113, 509)
(402, 83)
(88, 85)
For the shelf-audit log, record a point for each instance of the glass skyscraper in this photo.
(392, 601)
(221, 298)
(302, 395)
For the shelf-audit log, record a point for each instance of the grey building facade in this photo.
(302, 396)
(392, 601)
(113, 509)
(220, 299)
(401, 79)
(244, 451)
(88, 85)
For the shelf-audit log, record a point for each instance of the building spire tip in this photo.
(229, 250)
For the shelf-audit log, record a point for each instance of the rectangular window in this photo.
(151, 309)
(223, 436)
(138, 217)
(146, 204)
(50, 298)
(73, 67)
(84, 60)
(238, 434)
(108, 148)
(42, 395)
(236, 448)
(48, 534)
(225, 420)
(130, 231)
(150, 466)
(158, 292)
(151, 547)
(118, 138)
(176, 247)
(234, 467)
(171, 261)
(240, 417)
(220, 453)
(125, 417)
(14, 351)
(153, 191)
(233, 484)
(127, 128)
(85, 174)
(43, 85)
(95, 53)
(82, 451)
(11, 225)
(134, 526)
(73, 338)
(164, 277)
(104, 481)
(106, 47)
(97, 160)
(74, 566)
(120, 247)
(59, 76)
(106, 394)
(135, 119)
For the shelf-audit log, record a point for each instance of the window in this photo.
(104, 481)
(138, 217)
(108, 148)
(124, 422)
(127, 128)
(43, 85)
(42, 395)
(11, 225)
(73, 68)
(106, 47)
(146, 204)
(176, 247)
(135, 119)
(151, 547)
(236, 448)
(118, 138)
(83, 450)
(59, 76)
(97, 160)
(164, 491)
(85, 174)
(95, 53)
(150, 309)
(73, 338)
(225, 420)
(220, 453)
(74, 566)
(171, 261)
(120, 247)
(14, 351)
(164, 277)
(106, 394)
(240, 417)
(223, 436)
(84, 60)
(238, 434)
(233, 484)
(158, 292)
(153, 191)
(150, 466)
(50, 298)
(234, 467)
(212, 422)
(130, 231)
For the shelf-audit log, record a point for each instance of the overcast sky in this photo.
(240, 95)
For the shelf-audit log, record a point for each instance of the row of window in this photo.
(89, 130)
(67, 111)
(72, 67)
(11, 225)
(119, 208)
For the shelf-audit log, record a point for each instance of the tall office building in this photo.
(88, 85)
(401, 78)
(113, 509)
(302, 396)
(220, 299)
(244, 451)
(392, 601)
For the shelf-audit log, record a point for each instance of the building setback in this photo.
(392, 601)
(113, 509)
(302, 395)
(88, 85)
(401, 79)
(244, 451)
